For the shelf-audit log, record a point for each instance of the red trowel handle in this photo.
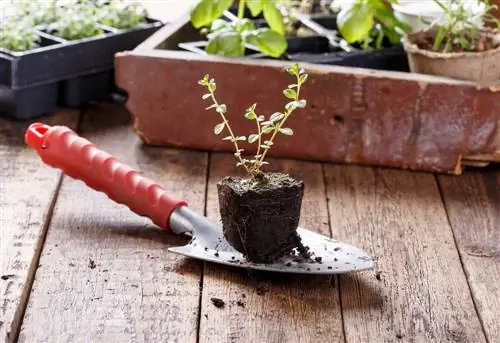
(60, 147)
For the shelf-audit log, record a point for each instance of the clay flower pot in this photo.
(481, 66)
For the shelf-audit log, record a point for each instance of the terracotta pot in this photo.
(473, 66)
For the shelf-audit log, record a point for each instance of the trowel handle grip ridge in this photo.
(62, 148)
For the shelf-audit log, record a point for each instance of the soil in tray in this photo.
(260, 215)
(425, 41)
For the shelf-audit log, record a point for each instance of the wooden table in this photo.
(77, 267)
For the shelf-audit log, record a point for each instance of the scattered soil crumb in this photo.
(216, 254)
(91, 263)
(71, 264)
(240, 303)
(243, 295)
(378, 275)
(399, 336)
(135, 286)
(318, 259)
(219, 303)
(206, 315)
(6, 277)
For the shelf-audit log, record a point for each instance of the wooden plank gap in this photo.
(208, 157)
(13, 335)
(460, 257)
(335, 278)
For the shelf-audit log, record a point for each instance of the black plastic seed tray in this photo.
(69, 73)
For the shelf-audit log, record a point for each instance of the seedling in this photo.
(229, 38)
(123, 16)
(458, 30)
(78, 22)
(38, 12)
(267, 129)
(368, 22)
(260, 212)
(18, 37)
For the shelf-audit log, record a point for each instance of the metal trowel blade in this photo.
(328, 256)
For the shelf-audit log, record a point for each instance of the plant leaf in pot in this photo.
(260, 212)
(456, 47)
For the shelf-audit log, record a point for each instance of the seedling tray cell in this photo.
(81, 90)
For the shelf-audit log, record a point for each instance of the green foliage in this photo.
(121, 15)
(458, 27)
(38, 12)
(368, 22)
(79, 21)
(229, 38)
(18, 36)
(267, 129)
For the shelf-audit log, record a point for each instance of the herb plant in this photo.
(229, 38)
(267, 129)
(38, 12)
(458, 28)
(368, 22)
(122, 16)
(18, 36)
(80, 21)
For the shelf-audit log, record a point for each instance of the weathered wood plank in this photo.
(27, 190)
(261, 307)
(105, 274)
(418, 292)
(26, 193)
(473, 205)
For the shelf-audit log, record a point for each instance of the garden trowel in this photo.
(60, 147)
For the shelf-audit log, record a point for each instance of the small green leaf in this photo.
(241, 138)
(218, 24)
(228, 138)
(290, 93)
(252, 138)
(222, 109)
(303, 78)
(267, 129)
(211, 106)
(246, 25)
(260, 118)
(212, 87)
(268, 42)
(255, 7)
(226, 43)
(250, 115)
(291, 106)
(302, 103)
(276, 116)
(355, 21)
(273, 16)
(206, 96)
(206, 11)
(286, 131)
(219, 127)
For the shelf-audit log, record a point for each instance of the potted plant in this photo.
(456, 46)
(260, 212)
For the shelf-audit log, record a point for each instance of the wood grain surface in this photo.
(473, 205)
(418, 291)
(262, 307)
(27, 191)
(105, 274)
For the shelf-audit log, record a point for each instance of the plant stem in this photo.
(241, 9)
(278, 127)
(226, 124)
